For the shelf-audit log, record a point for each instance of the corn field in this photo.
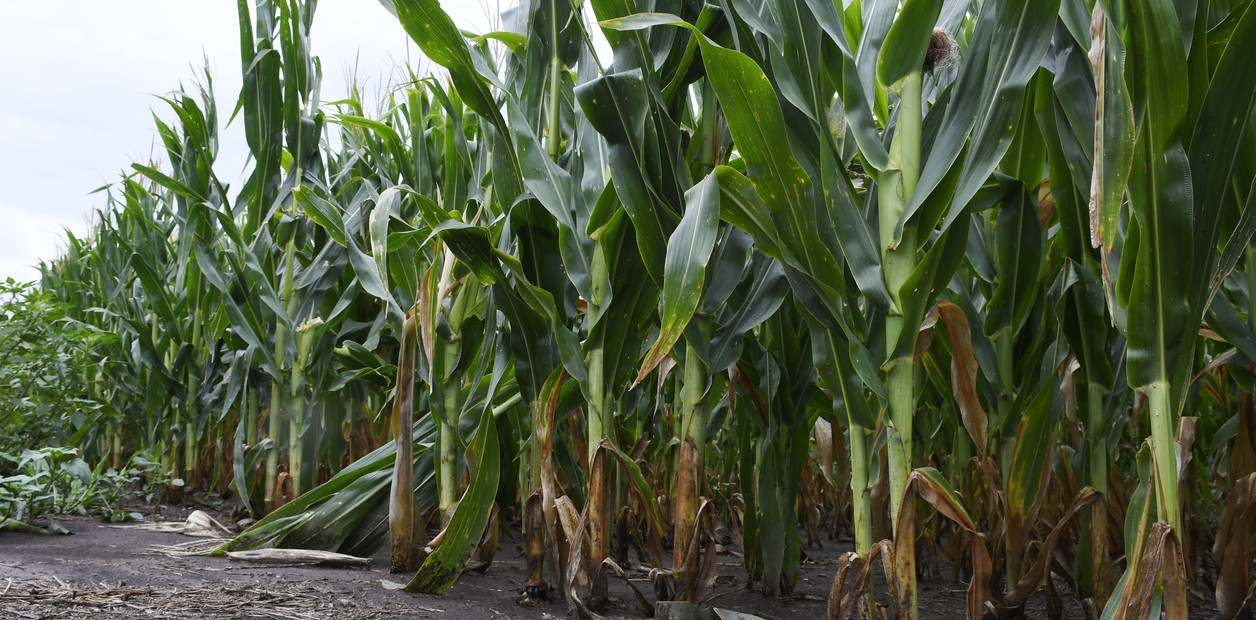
(963, 281)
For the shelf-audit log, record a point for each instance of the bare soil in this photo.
(107, 572)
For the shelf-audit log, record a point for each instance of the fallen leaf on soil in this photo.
(298, 556)
(13, 525)
(198, 524)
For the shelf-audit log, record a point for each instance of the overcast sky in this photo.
(79, 81)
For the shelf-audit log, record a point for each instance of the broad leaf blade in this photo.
(462, 535)
(688, 252)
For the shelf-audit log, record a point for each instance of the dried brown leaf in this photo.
(642, 602)
(929, 485)
(1232, 550)
(405, 532)
(1141, 589)
(964, 373)
(1037, 574)
(1046, 204)
(822, 440)
(536, 547)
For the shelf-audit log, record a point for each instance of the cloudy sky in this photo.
(79, 83)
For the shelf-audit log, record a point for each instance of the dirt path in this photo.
(105, 572)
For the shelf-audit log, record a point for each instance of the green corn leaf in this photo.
(1030, 468)
(831, 356)
(1114, 132)
(688, 252)
(1056, 101)
(623, 317)
(1073, 100)
(1217, 144)
(751, 108)
(729, 262)
(755, 119)
(368, 470)
(857, 239)
(359, 356)
(903, 51)
(1018, 253)
(632, 49)
(514, 41)
(1129, 256)
(637, 484)
(329, 524)
(465, 528)
(372, 279)
(1161, 312)
(438, 37)
(1225, 320)
(617, 106)
(772, 536)
(796, 65)
(920, 290)
(877, 19)
(742, 207)
(240, 483)
(1024, 159)
(155, 288)
(1007, 46)
(385, 208)
(856, 100)
(768, 289)
(552, 186)
(545, 179)
(262, 103)
(169, 183)
(529, 309)
(322, 212)
(392, 140)
(1085, 325)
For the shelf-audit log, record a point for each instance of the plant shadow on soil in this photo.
(107, 572)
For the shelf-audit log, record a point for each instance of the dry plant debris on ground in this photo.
(298, 600)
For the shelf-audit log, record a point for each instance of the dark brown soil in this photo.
(105, 572)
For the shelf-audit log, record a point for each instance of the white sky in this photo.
(78, 87)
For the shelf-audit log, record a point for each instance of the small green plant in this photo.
(140, 477)
(44, 360)
(56, 481)
(48, 480)
(114, 486)
(155, 480)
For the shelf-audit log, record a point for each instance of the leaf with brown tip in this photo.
(935, 489)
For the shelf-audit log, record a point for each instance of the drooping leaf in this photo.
(964, 373)
(435, 33)
(445, 564)
(922, 287)
(688, 252)
(1030, 468)
(618, 108)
